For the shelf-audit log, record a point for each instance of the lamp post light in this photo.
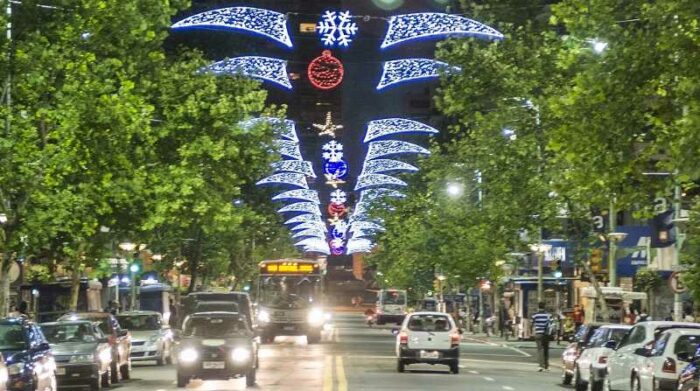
(441, 299)
(614, 238)
(134, 268)
(540, 249)
(455, 189)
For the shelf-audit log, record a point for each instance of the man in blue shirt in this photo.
(541, 323)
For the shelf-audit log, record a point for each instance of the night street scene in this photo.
(220, 195)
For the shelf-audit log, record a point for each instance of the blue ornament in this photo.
(339, 168)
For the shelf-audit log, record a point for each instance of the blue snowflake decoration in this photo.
(336, 28)
(283, 128)
(412, 69)
(378, 166)
(285, 178)
(269, 69)
(403, 28)
(384, 148)
(339, 168)
(298, 166)
(299, 194)
(258, 21)
(288, 149)
(390, 126)
(377, 180)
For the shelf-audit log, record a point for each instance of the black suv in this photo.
(28, 356)
(216, 346)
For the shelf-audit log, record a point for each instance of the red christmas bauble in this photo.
(326, 72)
(337, 209)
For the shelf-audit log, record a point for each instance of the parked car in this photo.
(428, 337)
(624, 359)
(662, 365)
(689, 379)
(151, 338)
(216, 345)
(82, 353)
(573, 350)
(30, 363)
(590, 367)
(119, 340)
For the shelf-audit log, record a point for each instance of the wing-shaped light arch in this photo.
(298, 166)
(392, 147)
(304, 218)
(310, 225)
(285, 178)
(390, 126)
(370, 195)
(374, 180)
(404, 28)
(301, 207)
(359, 245)
(288, 149)
(269, 69)
(412, 69)
(299, 194)
(378, 166)
(269, 24)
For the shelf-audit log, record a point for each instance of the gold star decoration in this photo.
(329, 128)
(332, 180)
(335, 220)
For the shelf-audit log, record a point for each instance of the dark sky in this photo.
(356, 101)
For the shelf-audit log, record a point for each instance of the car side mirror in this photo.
(642, 352)
(685, 356)
(611, 344)
(123, 333)
(395, 331)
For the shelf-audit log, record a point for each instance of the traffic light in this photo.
(134, 267)
(663, 231)
(596, 260)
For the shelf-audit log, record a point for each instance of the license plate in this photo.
(288, 328)
(213, 365)
(61, 371)
(425, 354)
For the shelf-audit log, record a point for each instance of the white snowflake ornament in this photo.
(336, 28)
(333, 151)
(338, 197)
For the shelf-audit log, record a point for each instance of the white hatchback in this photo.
(624, 359)
(428, 337)
(661, 366)
(590, 367)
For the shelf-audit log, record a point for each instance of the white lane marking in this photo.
(474, 372)
(518, 350)
(489, 378)
(507, 388)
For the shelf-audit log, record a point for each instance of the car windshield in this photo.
(12, 337)
(140, 322)
(602, 336)
(103, 322)
(394, 298)
(429, 323)
(216, 306)
(214, 327)
(63, 333)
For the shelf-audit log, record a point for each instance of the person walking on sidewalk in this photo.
(541, 324)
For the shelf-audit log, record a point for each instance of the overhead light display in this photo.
(299, 166)
(378, 166)
(325, 72)
(391, 126)
(285, 178)
(269, 69)
(404, 28)
(299, 194)
(328, 128)
(336, 28)
(392, 147)
(412, 69)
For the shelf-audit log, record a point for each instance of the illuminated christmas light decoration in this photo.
(411, 69)
(285, 178)
(378, 166)
(264, 68)
(337, 168)
(304, 218)
(337, 210)
(372, 180)
(321, 250)
(328, 128)
(365, 225)
(370, 195)
(389, 126)
(391, 147)
(299, 194)
(303, 207)
(337, 246)
(333, 181)
(340, 230)
(299, 166)
(336, 28)
(409, 27)
(283, 128)
(339, 197)
(332, 151)
(317, 233)
(263, 22)
(313, 225)
(361, 211)
(359, 245)
(312, 242)
(325, 72)
(288, 148)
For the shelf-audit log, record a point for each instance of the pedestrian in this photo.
(23, 308)
(578, 316)
(541, 324)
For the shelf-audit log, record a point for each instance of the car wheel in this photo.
(454, 367)
(400, 366)
(182, 380)
(314, 337)
(160, 361)
(126, 371)
(96, 384)
(636, 386)
(596, 385)
(579, 384)
(250, 377)
(107, 378)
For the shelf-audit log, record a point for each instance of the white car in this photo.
(624, 359)
(151, 338)
(430, 338)
(590, 366)
(661, 366)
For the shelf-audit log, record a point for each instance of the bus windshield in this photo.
(289, 292)
(393, 297)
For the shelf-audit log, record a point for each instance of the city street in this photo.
(355, 357)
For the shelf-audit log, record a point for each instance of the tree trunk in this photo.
(7, 260)
(600, 298)
(75, 286)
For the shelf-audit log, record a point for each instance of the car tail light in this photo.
(455, 338)
(669, 366)
(403, 338)
(603, 360)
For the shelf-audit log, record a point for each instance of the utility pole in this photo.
(612, 253)
(678, 244)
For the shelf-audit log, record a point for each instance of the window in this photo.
(12, 337)
(660, 345)
(687, 344)
(636, 335)
(394, 298)
(140, 322)
(66, 333)
(215, 327)
(429, 323)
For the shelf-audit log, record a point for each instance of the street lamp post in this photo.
(127, 247)
(614, 238)
(540, 249)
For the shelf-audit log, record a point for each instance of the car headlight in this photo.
(82, 358)
(15, 369)
(316, 317)
(105, 355)
(264, 316)
(188, 355)
(240, 355)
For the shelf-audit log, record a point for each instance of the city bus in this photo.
(290, 298)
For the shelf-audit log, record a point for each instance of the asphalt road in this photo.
(355, 357)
